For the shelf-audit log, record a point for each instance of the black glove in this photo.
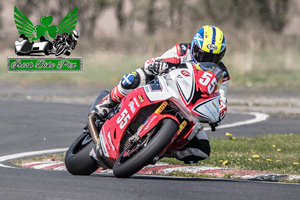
(156, 67)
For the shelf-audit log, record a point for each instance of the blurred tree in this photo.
(173, 14)
(0, 16)
(88, 13)
(27, 6)
(273, 13)
(150, 17)
(121, 17)
(176, 8)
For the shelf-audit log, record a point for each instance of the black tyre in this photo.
(136, 157)
(77, 160)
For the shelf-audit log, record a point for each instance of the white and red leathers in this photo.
(198, 148)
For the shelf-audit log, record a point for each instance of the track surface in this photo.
(31, 126)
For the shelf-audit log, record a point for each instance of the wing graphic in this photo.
(68, 24)
(24, 25)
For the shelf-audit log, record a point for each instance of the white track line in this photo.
(258, 118)
(28, 154)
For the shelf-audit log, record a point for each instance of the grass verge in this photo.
(273, 152)
(57, 156)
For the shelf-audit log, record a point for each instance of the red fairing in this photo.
(114, 129)
(153, 121)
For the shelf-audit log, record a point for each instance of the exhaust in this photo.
(92, 127)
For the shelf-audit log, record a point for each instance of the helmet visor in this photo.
(202, 56)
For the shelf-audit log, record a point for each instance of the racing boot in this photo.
(104, 107)
(108, 102)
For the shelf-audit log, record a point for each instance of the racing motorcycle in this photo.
(152, 120)
(62, 45)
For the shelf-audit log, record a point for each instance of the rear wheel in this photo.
(140, 154)
(77, 160)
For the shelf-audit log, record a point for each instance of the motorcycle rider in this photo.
(208, 45)
(67, 39)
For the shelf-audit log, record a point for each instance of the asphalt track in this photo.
(33, 126)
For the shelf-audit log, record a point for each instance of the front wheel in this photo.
(77, 160)
(139, 155)
(60, 49)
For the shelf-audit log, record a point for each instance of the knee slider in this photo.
(130, 81)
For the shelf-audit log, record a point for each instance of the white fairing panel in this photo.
(184, 79)
(208, 110)
(161, 93)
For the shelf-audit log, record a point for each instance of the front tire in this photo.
(60, 49)
(77, 160)
(126, 166)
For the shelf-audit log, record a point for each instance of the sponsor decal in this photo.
(131, 106)
(211, 110)
(103, 147)
(141, 99)
(98, 143)
(184, 83)
(45, 39)
(185, 73)
(110, 142)
(98, 148)
(212, 47)
(182, 126)
(136, 102)
(161, 107)
(149, 123)
(147, 90)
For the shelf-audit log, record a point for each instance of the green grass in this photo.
(264, 68)
(192, 175)
(275, 153)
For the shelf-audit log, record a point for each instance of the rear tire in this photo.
(125, 167)
(77, 160)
